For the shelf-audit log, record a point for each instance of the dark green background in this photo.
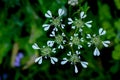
(21, 25)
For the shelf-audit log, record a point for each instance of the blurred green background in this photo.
(21, 25)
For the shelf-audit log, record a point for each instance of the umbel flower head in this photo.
(79, 23)
(56, 21)
(45, 52)
(59, 39)
(96, 40)
(72, 2)
(74, 59)
(75, 40)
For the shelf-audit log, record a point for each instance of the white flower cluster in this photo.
(73, 41)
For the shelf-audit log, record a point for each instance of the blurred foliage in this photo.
(21, 23)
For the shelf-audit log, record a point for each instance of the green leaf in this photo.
(116, 52)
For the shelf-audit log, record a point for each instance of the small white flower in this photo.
(50, 43)
(35, 46)
(39, 60)
(96, 52)
(53, 60)
(101, 31)
(72, 2)
(46, 26)
(82, 15)
(76, 69)
(61, 12)
(105, 43)
(88, 24)
(65, 60)
(84, 64)
(48, 14)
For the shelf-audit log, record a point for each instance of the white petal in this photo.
(35, 46)
(55, 29)
(84, 64)
(52, 34)
(60, 47)
(63, 26)
(76, 69)
(50, 43)
(101, 31)
(105, 43)
(69, 54)
(82, 15)
(73, 27)
(75, 35)
(88, 24)
(77, 52)
(46, 26)
(54, 50)
(39, 60)
(48, 14)
(60, 12)
(64, 62)
(88, 36)
(79, 46)
(63, 34)
(53, 60)
(70, 21)
(96, 52)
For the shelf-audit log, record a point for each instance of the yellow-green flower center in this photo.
(58, 39)
(78, 23)
(46, 51)
(76, 40)
(56, 21)
(74, 58)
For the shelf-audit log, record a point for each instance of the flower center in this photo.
(56, 21)
(46, 51)
(74, 58)
(59, 39)
(78, 23)
(76, 41)
(96, 41)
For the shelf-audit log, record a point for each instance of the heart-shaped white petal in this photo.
(70, 21)
(88, 24)
(84, 64)
(53, 60)
(35, 46)
(101, 31)
(105, 43)
(76, 69)
(82, 15)
(39, 60)
(96, 52)
(64, 62)
(60, 12)
(48, 14)
(46, 26)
